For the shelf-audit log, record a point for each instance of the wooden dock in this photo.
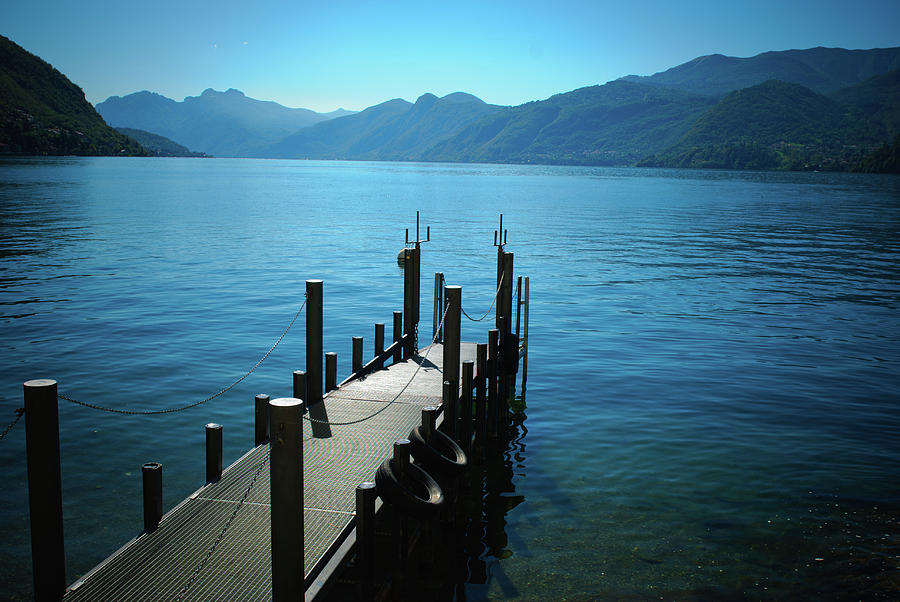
(186, 559)
(240, 538)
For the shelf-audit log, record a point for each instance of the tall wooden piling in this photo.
(286, 483)
(410, 299)
(151, 477)
(465, 405)
(480, 395)
(48, 558)
(437, 327)
(493, 369)
(313, 343)
(261, 419)
(397, 333)
(452, 333)
(357, 354)
(379, 342)
(213, 452)
(365, 538)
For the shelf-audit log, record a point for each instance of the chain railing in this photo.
(196, 403)
(19, 413)
(494, 300)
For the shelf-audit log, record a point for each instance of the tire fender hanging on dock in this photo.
(418, 494)
(440, 454)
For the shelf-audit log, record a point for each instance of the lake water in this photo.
(712, 401)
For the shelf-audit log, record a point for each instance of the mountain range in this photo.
(820, 108)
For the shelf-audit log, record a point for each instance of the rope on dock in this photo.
(19, 413)
(494, 300)
(221, 536)
(397, 396)
(196, 403)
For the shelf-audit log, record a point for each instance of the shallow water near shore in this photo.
(711, 410)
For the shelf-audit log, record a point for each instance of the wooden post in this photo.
(286, 483)
(48, 557)
(301, 384)
(365, 538)
(465, 415)
(410, 299)
(379, 341)
(151, 475)
(398, 328)
(313, 394)
(330, 371)
(261, 419)
(492, 370)
(480, 401)
(438, 306)
(452, 334)
(213, 452)
(448, 402)
(357, 354)
(506, 290)
(429, 417)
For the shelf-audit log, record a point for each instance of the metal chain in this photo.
(397, 396)
(221, 536)
(196, 403)
(502, 274)
(19, 413)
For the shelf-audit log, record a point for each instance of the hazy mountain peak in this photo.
(461, 97)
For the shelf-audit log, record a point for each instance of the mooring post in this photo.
(48, 557)
(261, 418)
(451, 334)
(448, 402)
(410, 299)
(301, 384)
(465, 417)
(365, 538)
(213, 452)
(286, 492)
(506, 291)
(151, 474)
(357, 354)
(401, 524)
(330, 371)
(429, 417)
(480, 378)
(492, 373)
(313, 394)
(438, 307)
(398, 331)
(504, 375)
(379, 341)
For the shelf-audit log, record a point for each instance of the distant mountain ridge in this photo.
(224, 124)
(43, 113)
(823, 70)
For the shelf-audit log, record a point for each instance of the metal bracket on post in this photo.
(500, 240)
(411, 265)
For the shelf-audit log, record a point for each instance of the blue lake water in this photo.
(712, 396)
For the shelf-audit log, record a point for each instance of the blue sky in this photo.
(332, 53)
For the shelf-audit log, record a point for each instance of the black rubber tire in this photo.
(405, 498)
(441, 455)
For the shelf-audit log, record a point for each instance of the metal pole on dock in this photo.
(48, 557)
(286, 483)
(330, 371)
(313, 393)
(261, 418)
(365, 537)
(213, 452)
(151, 475)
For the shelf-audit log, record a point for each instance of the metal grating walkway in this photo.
(174, 562)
